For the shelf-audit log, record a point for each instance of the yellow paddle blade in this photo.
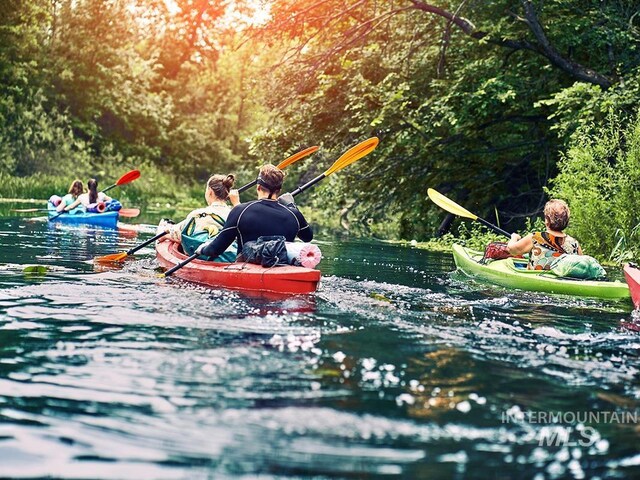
(114, 257)
(353, 154)
(297, 156)
(449, 205)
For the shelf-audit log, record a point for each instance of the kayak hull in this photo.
(239, 276)
(106, 219)
(512, 273)
(632, 274)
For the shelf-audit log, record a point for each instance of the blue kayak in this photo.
(79, 216)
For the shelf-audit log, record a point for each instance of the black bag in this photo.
(266, 251)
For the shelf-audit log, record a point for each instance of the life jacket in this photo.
(192, 239)
(547, 248)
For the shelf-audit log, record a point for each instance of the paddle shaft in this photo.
(493, 227)
(56, 216)
(110, 187)
(296, 191)
(309, 184)
(144, 244)
(282, 165)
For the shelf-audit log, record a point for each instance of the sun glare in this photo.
(239, 14)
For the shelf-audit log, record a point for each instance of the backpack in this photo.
(269, 251)
(191, 240)
(582, 267)
(496, 251)
(112, 206)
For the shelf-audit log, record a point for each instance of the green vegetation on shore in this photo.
(497, 105)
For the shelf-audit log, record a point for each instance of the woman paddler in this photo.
(266, 216)
(545, 247)
(71, 200)
(93, 196)
(218, 190)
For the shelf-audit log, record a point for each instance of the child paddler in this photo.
(266, 216)
(93, 196)
(72, 199)
(545, 247)
(204, 223)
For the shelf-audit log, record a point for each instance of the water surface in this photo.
(395, 368)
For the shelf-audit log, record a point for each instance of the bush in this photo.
(599, 178)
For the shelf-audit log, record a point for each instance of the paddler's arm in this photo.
(304, 232)
(175, 229)
(71, 206)
(520, 245)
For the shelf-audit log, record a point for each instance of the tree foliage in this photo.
(478, 99)
(469, 98)
(93, 84)
(599, 177)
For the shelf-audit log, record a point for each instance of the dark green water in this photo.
(395, 368)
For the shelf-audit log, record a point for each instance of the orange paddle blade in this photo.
(129, 212)
(297, 156)
(353, 154)
(113, 258)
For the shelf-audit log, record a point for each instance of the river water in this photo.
(395, 368)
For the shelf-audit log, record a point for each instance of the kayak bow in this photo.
(632, 274)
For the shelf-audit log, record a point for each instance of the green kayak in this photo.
(513, 273)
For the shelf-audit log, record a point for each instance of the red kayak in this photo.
(239, 276)
(632, 274)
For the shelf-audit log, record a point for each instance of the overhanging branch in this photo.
(543, 46)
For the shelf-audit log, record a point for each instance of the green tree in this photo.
(460, 104)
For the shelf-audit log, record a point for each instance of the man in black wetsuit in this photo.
(263, 217)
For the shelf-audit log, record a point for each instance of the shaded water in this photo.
(395, 367)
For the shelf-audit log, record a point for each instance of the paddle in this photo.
(124, 212)
(350, 156)
(452, 207)
(129, 212)
(117, 257)
(124, 179)
(128, 177)
(28, 210)
(284, 164)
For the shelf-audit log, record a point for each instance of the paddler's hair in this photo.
(76, 188)
(557, 213)
(270, 179)
(221, 185)
(92, 186)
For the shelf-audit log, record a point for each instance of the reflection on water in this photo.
(394, 368)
